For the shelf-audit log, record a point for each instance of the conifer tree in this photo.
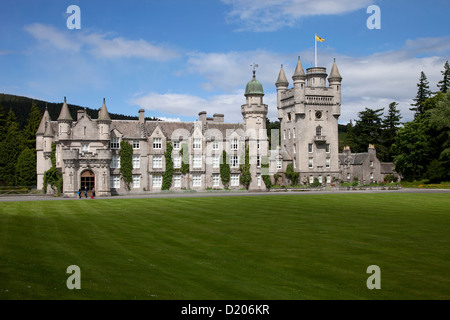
(26, 168)
(444, 84)
(423, 92)
(390, 127)
(10, 148)
(29, 132)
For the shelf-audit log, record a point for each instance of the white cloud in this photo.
(99, 44)
(270, 15)
(190, 105)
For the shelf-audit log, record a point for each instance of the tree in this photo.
(10, 148)
(444, 84)
(26, 168)
(350, 137)
(168, 174)
(225, 170)
(246, 177)
(53, 176)
(367, 129)
(29, 132)
(126, 163)
(412, 149)
(2, 123)
(440, 121)
(423, 93)
(291, 174)
(390, 126)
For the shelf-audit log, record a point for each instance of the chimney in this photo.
(218, 117)
(347, 150)
(141, 116)
(371, 148)
(202, 116)
(80, 114)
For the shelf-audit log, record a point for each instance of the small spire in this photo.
(64, 115)
(299, 73)
(103, 100)
(282, 81)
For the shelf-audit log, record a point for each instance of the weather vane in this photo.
(254, 65)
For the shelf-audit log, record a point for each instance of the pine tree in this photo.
(2, 123)
(10, 148)
(168, 174)
(246, 177)
(126, 163)
(390, 127)
(29, 132)
(26, 168)
(444, 84)
(423, 92)
(225, 170)
(367, 129)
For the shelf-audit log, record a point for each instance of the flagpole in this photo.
(315, 45)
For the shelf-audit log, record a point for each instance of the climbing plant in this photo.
(168, 174)
(53, 176)
(184, 158)
(225, 170)
(126, 163)
(245, 176)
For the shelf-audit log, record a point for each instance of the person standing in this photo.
(85, 192)
(79, 193)
(93, 192)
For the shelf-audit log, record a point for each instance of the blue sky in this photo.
(176, 58)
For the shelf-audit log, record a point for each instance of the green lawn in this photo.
(264, 247)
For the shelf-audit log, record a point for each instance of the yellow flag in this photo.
(319, 39)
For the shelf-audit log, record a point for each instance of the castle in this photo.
(87, 150)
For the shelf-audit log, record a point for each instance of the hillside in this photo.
(21, 107)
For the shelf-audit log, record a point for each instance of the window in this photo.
(115, 182)
(156, 181)
(320, 179)
(327, 162)
(371, 175)
(84, 147)
(284, 134)
(176, 144)
(319, 131)
(215, 145)
(371, 163)
(234, 180)
(327, 148)
(197, 143)
(348, 176)
(136, 181)
(197, 180)
(258, 161)
(177, 181)
(310, 163)
(136, 161)
(328, 179)
(197, 161)
(115, 161)
(311, 179)
(295, 148)
(216, 161)
(279, 164)
(234, 161)
(295, 162)
(114, 143)
(293, 133)
(157, 143)
(234, 144)
(136, 144)
(157, 162)
(258, 144)
(216, 180)
(310, 147)
(177, 161)
(258, 179)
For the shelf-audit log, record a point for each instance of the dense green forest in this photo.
(420, 148)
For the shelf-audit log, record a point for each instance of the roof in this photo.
(387, 167)
(334, 72)
(353, 158)
(254, 87)
(299, 72)
(45, 118)
(64, 115)
(103, 114)
(282, 81)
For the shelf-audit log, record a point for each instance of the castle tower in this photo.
(308, 115)
(282, 85)
(64, 122)
(104, 123)
(254, 113)
(42, 164)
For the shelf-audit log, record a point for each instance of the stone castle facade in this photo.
(87, 150)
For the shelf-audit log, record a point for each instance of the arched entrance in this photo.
(88, 181)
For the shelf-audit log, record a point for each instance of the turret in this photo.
(104, 122)
(49, 134)
(64, 122)
(282, 85)
(335, 80)
(254, 111)
(299, 88)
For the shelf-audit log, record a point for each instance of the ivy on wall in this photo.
(53, 176)
(126, 163)
(168, 174)
(245, 176)
(184, 158)
(225, 170)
